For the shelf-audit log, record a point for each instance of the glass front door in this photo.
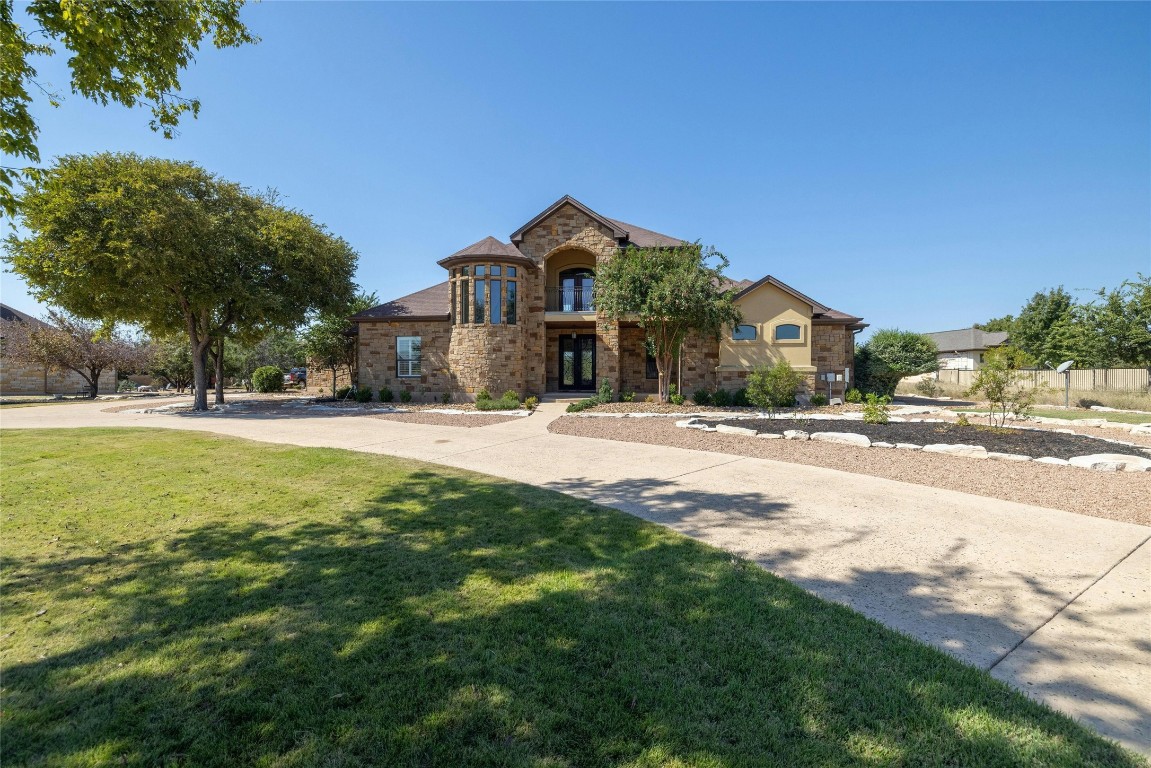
(577, 362)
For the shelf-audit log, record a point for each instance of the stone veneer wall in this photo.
(377, 358)
(700, 358)
(17, 378)
(568, 227)
(487, 356)
(832, 350)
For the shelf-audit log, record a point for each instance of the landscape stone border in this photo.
(1099, 462)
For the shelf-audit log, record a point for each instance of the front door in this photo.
(577, 362)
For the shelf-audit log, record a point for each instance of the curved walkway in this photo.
(1056, 604)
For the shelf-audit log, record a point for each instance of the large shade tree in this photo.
(131, 52)
(172, 248)
(673, 292)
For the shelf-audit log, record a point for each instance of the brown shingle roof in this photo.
(429, 304)
(621, 231)
(487, 248)
(14, 315)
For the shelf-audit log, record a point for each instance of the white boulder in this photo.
(843, 438)
(769, 436)
(1121, 461)
(909, 447)
(794, 434)
(1007, 456)
(727, 429)
(958, 449)
(882, 444)
(1052, 460)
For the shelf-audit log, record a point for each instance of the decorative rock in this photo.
(1007, 456)
(1122, 462)
(794, 434)
(882, 445)
(835, 401)
(843, 438)
(1052, 460)
(727, 429)
(769, 436)
(909, 446)
(958, 449)
(1064, 431)
(686, 423)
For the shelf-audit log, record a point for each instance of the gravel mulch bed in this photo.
(1033, 443)
(446, 419)
(1115, 496)
(689, 408)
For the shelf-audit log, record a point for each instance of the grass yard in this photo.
(172, 598)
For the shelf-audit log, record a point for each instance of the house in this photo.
(520, 315)
(964, 349)
(18, 377)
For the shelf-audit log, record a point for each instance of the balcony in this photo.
(570, 300)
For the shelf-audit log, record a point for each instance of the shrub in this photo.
(511, 394)
(503, 404)
(774, 387)
(701, 397)
(343, 392)
(405, 396)
(583, 405)
(1002, 385)
(673, 395)
(739, 398)
(819, 399)
(363, 395)
(853, 395)
(962, 421)
(483, 394)
(386, 395)
(446, 398)
(531, 403)
(269, 378)
(721, 398)
(626, 397)
(875, 409)
(606, 394)
(651, 399)
(928, 387)
(889, 355)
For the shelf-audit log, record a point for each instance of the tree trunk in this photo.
(335, 374)
(199, 365)
(93, 383)
(663, 364)
(219, 359)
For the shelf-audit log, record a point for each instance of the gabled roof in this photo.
(14, 315)
(966, 339)
(429, 304)
(621, 231)
(487, 248)
(816, 307)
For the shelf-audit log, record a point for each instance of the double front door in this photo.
(577, 361)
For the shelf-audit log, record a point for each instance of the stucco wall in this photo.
(765, 308)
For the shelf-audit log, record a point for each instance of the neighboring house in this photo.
(521, 316)
(23, 378)
(964, 349)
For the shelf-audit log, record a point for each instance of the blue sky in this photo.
(925, 166)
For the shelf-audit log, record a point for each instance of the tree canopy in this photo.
(673, 291)
(327, 341)
(173, 248)
(130, 52)
(889, 355)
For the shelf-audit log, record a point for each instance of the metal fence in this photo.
(1087, 379)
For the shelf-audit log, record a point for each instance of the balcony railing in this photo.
(569, 300)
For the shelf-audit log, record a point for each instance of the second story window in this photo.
(484, 294)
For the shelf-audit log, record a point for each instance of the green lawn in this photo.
(1124, 418)
(184, 599)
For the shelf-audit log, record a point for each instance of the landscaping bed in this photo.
(274, 605)
(434, 419)
(1114, 496)
(1027, 442)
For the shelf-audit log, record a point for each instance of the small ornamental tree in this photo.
(891, 354)
(329, 342)
(770, 388)
(172, 362)
(71, 344)
(673, 291)
(1000, 383)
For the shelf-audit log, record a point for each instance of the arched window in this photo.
(788, 332)
(576, 287)
(743, 333)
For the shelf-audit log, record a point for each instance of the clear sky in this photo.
(925, 166)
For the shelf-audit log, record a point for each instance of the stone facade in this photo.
(832, 350)
(377, 359)
(17, 378)
(462, 356)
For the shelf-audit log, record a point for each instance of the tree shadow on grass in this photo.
(454, 621)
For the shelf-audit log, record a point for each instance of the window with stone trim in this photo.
(409, 357)
(487, 294)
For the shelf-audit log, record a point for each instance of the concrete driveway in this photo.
(1056, 604)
